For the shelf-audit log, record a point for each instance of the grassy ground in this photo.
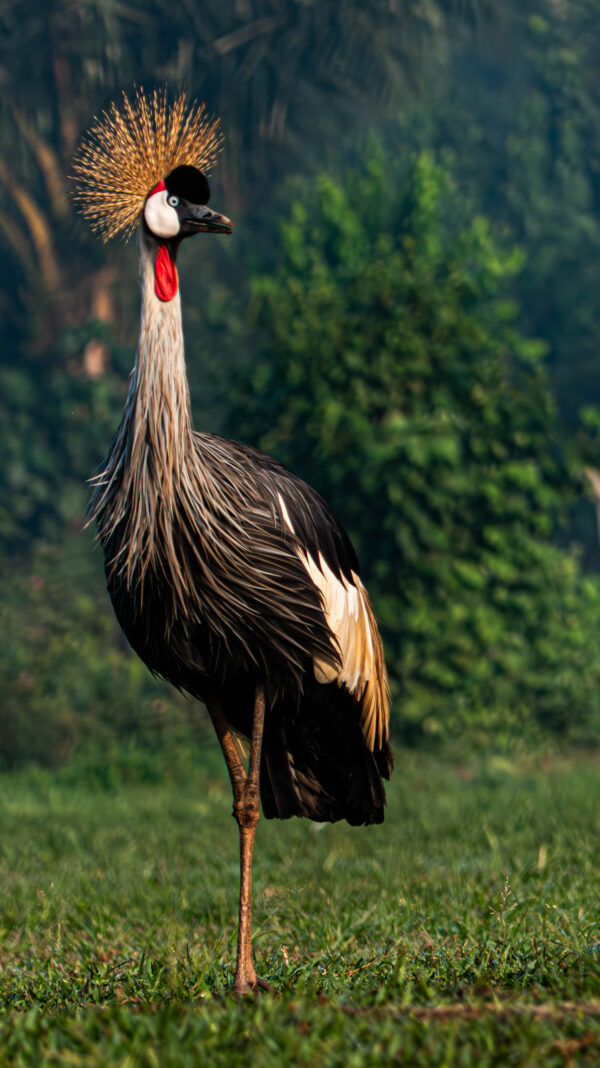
(462, 932)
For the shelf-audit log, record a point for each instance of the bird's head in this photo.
(177, 207)
(144, 163)
(146, 160)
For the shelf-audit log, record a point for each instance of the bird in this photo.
(231, 577)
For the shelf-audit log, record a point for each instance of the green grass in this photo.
(462, 932)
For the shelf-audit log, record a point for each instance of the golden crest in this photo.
(129, 149)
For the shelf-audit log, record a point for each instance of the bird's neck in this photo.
(138, 489)
(158, 405)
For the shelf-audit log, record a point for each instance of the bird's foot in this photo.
(252, 984)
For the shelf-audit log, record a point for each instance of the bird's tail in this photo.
(316, 763)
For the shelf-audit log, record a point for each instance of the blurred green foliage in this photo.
(521, 129)
(392, 377)
(55, 428)
(417, 341)
(70, 684)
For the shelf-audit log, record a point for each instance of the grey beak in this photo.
(201, 219)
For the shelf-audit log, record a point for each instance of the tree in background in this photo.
(522, 131)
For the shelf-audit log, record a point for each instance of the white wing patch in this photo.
(285, 515)
(350, 618)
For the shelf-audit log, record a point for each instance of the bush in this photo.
(390, 375)
(69, 681)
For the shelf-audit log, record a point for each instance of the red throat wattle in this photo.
(166, 282)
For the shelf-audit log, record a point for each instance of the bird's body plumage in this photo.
(213, 556)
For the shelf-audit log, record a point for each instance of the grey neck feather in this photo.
(140, 480)
(158, 404)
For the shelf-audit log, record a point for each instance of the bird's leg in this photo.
(236, 769)
(246, 810)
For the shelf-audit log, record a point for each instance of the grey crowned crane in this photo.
(230, 577)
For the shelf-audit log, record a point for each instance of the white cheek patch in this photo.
(162, 220)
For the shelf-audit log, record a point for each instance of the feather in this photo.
(353, 627)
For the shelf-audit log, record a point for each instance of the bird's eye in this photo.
(173, 201)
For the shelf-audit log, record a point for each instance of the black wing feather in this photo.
(315, 524)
